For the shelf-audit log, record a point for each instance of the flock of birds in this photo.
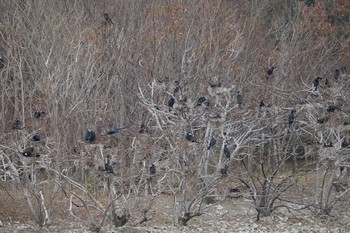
(90, 136)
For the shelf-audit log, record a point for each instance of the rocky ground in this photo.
(233, 215)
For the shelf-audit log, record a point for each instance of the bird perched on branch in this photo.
(115, 130)
(143, 128)
(271, 69)
(203, 101)
(90, 136)
(108, 19)
(336, 74)
(224, 170)
(176, 87)
(2, 62)
(29, 152)
(190, 137)
(38, 114)
(239, 98)
(316, 83)
(109, 168)
(152, 169)
(227, 151)
(261, 104)
(16, 124)
(332, 108)
(171, 103)
(291, 117)
(36, 137)
(322, 120)
(211, 143)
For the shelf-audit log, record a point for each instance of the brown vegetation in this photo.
(85, 69)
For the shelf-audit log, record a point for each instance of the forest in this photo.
(110, 107)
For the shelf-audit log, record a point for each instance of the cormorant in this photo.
(345, 143)
(316, 83)
(152, 169)
(176, 86)
(227, 151)
(328, 145)
(214, 85)
(262, 104)
(190, 137)
(90, 136)
(143, 128)
(336, 74)
(2, 62)
(322, 120)
(327, 83)
(223, 170)
(271, 69)
(38, 114)
(234, 190)
(28, 152)
(239, 98)
(36, 137)
(116, 130)
(108, 19)
(16, 124)
(211, 143)
(291, 117)
(171, 103)
(332, 108)
(109, 168)
(203, 100)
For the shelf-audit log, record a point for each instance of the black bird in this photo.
(227, 151)
(212, 143)
(336, 74)
(38, 114)
(116, 130)
(223, 170)
(345, 143)
(332, 108)
(2, 62)
(316, 83)
(28, 152)
(328, 145)
(171, 103)
(176, 86)
(109, 168)
(90, 136)
(190, 137)
(239, 98)
(271, 69)
(143, 128)
(108, 19)
(234, 190)
(203, 100)
(152, 169)
(262, 104)
(36, 137)
(212, 85)
(322, 120)
(302, 102)
(327, 83)
(16, 124)
(291, 117)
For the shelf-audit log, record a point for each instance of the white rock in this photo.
(219, 207)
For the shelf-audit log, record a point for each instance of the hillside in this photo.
(141, 113)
